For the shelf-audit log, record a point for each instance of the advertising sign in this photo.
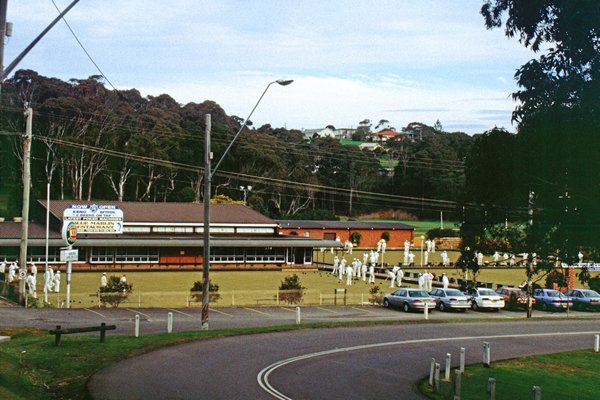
(69, 232)
(69, 255)
(95, 218)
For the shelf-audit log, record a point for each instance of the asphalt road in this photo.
(342, 363)
(389, 363)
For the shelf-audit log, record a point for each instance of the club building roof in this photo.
(148, 224)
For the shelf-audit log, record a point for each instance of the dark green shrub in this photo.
(291, 290)
(440, 233)
(385, 236)
(376, 295)
(355, 238)
(213, 291)
(115, 292)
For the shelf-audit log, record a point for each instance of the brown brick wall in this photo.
(369, 238)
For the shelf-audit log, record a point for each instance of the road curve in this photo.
(341, 363)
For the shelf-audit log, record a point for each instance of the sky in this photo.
(402, 61)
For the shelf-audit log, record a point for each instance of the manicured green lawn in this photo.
(569, 375)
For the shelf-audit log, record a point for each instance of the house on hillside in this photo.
(166, 236)
(383, 135)
(369, 146)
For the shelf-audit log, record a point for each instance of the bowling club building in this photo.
(166, 236)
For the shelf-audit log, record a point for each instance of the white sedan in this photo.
(450, 299)
(482, 298)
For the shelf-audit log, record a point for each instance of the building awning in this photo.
(179, 242)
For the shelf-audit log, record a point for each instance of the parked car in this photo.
(450, 299)
(409, 299)
(482, 298)
(551, 299)
(584, 299)
(514, 298)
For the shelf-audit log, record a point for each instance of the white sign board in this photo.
(69, 255)
(95, 218)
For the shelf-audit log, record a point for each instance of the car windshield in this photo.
(591, 293)
(454, 292)
(418, 293)
(553, 293)
(487, 292)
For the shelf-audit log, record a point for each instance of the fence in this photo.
(226, 298)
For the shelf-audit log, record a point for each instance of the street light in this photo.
(208, 174)
(245, 189)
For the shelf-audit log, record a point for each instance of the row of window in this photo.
(118, 255)
(192, 229)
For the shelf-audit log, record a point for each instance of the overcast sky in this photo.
(403, 60)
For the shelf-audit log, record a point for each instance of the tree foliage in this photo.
(115, 292)
(291, 290)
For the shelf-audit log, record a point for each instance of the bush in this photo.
(376, 295)
(291, 290)
(594, 283)
(385, 236)
(213, 291)
(355, 238)
(115, 292)
(440, 233)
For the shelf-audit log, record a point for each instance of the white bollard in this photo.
(447, 371)
(436, 378)
(491, 389)
(137, 325)
(457, 383)
(596, 343)
(170, 322)
(297, 315)
(536, 393)
(462, 360)
(486, 354)
(431, 371)
(426, 311)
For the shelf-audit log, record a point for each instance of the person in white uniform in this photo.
(57, 281)
(445, 281)
(399, 276)
(336, 263)
(371, 273)
(349, 275)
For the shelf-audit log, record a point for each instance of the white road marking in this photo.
(95, 312)
(138, 312)
(365, 310)
(256, 311)
(181, 312)
(221, 312)
(263, 375)
(328, 310)
(288, 309)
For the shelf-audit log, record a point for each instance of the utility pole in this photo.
(3, 8)
(25, 208)
(206, 233)
(530, 212)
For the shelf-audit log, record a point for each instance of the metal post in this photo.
(206, 249)
(426, 311)
(491, 389)
(297, 315)
(436, 378)
(596, 343)
(137, 325)
(447, 371)
(169, 322)
(26, 177)
(486, 354)
(69, 269)
(536, 393)
(47, 234)
(3, 7)
(457, 383)
(431, 371)
(462, 360)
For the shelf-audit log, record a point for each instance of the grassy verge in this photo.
(565, 375)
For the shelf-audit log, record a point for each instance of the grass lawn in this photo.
(569, 375)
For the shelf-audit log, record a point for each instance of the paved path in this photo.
(344, 363)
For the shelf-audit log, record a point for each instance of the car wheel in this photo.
(544, 307)
(474, 306)
(442, 307)
(386, 303)
(406, 307)
(463, 310)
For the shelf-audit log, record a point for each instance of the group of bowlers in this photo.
(51, 279)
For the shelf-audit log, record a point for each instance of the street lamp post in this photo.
(208, 174)
(245, 189)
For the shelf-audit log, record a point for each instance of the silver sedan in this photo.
(450, 299)
(409, 299)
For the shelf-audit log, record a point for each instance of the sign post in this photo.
(69, 234)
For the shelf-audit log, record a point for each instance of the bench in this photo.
(58, 332)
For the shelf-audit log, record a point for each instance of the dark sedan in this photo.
(514, 298)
